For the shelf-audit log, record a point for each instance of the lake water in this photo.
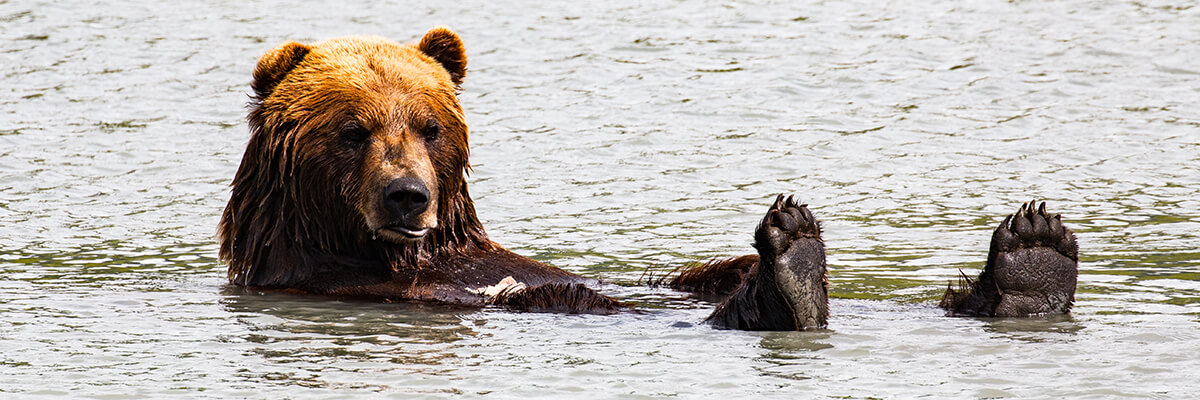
(608, 139)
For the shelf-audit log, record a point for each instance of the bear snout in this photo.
(406, 197)
(406, 209)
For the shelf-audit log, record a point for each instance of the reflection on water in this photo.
(327, 339)
(612, 138)
(783, 343)
(1036, 329)
(357, 321)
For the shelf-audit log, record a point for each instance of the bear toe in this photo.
(785, 222)
(1033, 227)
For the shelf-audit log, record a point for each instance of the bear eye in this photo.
(431, 130)
(354, 132)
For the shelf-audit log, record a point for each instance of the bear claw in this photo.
(1030, 228)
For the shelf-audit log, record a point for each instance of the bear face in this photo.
(358, 146)
(377, 123)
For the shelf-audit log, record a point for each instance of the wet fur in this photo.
(714, 278)
(567, 298)
(294, 219)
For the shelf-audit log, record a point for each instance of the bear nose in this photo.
(407, 196)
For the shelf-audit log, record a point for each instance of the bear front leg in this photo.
(569, 298)
(787, 289)
(1031, 269)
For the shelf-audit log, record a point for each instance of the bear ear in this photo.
(275, 64)
(443, 45)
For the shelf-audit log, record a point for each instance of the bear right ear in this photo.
(275, 64)
(443, 45)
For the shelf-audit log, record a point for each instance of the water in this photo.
(608, 139)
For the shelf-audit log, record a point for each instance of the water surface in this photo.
(609, 139)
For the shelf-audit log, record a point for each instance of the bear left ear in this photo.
(443, 45)
(275, 65)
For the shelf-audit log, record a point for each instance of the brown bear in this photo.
(353, 185)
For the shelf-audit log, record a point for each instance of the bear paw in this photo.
(785, 221)
(792, 257)
(506, 286)
(1034, 260)
(1031, 269)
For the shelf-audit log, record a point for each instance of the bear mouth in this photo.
(404, 233)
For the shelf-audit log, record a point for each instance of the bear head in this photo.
(358, 151)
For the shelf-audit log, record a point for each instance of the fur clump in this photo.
(568, 298)
(713, 278)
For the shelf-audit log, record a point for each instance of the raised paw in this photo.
(1031, 269)
(787, 288)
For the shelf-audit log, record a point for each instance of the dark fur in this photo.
(755, 306)
(717, 277)
(569, 298)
